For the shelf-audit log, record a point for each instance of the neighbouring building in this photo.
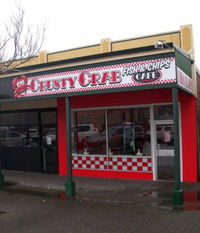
(124, 97)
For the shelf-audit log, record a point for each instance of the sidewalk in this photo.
(136, 192)
(35, 203)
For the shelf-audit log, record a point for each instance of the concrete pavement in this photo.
(35, 214)
(135, 192)
(34, 203)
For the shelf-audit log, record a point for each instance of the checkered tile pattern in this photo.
(90, 162)
(124, 163)
(130, 164)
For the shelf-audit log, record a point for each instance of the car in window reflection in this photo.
(120, 138)
(85, 130)
(12, 138)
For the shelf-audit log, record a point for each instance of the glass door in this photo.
(49, 149)
(164, 148)
(49, 142)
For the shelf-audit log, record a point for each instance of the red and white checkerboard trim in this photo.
(90, 162)
(116, 163)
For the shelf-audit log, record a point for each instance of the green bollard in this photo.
(177, 197)
(70, 189)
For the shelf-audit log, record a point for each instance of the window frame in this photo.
(151, 122)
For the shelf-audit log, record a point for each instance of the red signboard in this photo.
(148, 72)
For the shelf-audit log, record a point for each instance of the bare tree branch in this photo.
(21, 42)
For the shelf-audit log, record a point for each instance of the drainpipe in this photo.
(70, 190)
(177, 196)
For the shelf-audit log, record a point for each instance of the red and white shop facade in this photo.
(122, 116)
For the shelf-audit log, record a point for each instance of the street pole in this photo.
(177, 192)
(70, 190)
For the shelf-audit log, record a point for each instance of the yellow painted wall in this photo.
(182, 38)
(146, 41)
(86, 51)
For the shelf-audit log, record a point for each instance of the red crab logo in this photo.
(19, 86)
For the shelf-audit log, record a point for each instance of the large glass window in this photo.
(129, 131)
(113, 132)
(88, 132)
(21, 129)
(19, 136)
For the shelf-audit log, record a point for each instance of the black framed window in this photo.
(19, 136)
(19, 118)
(21, 129)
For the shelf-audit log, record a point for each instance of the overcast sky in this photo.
(77, 23)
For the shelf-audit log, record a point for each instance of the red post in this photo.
(189, 137)
(61, 119)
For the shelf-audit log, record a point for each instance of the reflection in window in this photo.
(19, 136)
(165, 136)
(49, 136)
(163, 112)
(88, 132)
(129, 132)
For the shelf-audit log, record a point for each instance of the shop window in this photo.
(19, 136)
(124, 132)
(88, 132)
(163, 112)
(129, 132)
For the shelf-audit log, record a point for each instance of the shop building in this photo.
(132, 105)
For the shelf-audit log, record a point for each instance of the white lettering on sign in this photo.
(149, 72)
(184, 80)
(150, 66)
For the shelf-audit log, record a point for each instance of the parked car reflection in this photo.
(12, 138)
(19, 136)
(122, 139)
(86, 130)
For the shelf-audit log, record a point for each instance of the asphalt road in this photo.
(22, 212)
